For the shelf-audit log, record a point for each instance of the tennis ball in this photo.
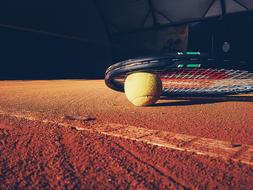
(143, 89)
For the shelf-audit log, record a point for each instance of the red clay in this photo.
(35, 155)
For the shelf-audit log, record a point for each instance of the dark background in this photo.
(237, 29)
(39, 55)
(32, 55)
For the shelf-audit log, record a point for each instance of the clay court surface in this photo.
(78, 134)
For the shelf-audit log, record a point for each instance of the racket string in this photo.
(207, 81)
(203, 81)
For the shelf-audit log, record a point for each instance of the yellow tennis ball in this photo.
(143, 89)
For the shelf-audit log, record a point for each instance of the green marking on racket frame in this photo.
(193, 65)
(192, 53)
(188, 53)
(189, 65)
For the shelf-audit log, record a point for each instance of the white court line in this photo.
(201, 146)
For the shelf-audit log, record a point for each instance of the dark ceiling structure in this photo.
(130, 24)
(138, 15)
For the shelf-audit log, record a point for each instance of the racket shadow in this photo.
(188, 101)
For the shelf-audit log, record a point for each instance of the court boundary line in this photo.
(242, 153)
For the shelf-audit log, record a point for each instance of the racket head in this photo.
(184, 74)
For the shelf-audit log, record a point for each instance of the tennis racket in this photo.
(185, 73)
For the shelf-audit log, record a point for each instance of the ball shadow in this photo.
(189, 101)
